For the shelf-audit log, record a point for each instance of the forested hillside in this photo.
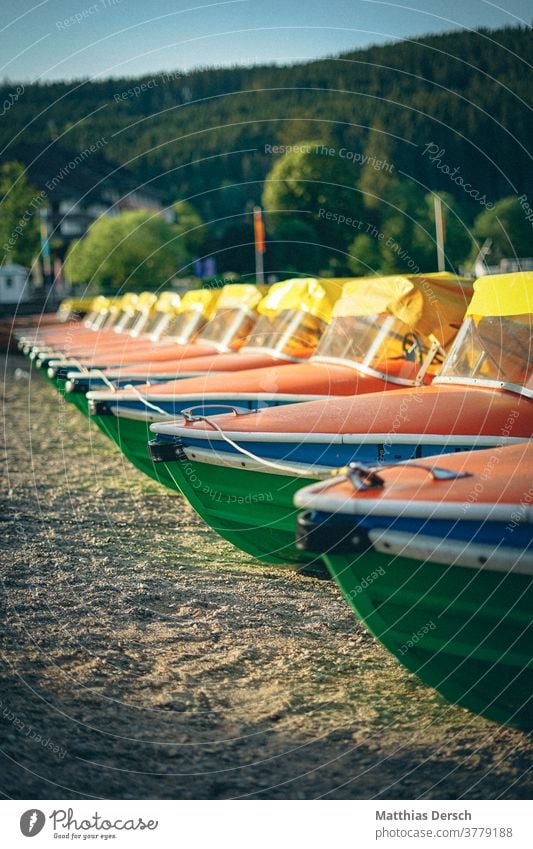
(209, 135)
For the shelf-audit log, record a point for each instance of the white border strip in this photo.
(207, 397)
(239, 461)
(312, 498)
(453, 552)
(175, 428)
(488, 384)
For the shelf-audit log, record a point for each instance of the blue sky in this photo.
(68, 39)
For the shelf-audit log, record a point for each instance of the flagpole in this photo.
(439, 232)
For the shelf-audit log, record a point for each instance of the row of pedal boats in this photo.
(378, 426)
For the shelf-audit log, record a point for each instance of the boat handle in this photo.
(190, 416)
(366, 477)
(438, 473)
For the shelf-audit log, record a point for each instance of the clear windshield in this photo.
(184, 326)
(64, 311)
(494, 349)
(294, 333)
(127, 321)
(114, 318)
(139, 325)
(156, 324)
(380, 343)
(229, 328)
(106, 319)
(91, 318)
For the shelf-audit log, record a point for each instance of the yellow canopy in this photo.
(238, 295)
(87, 305)
(146, 301)
(113, 305)
(127, 301)
(69, 306)
(114, 302)
(200, 300)
(309, 294)
(78, 304)
(434, 304)
(168, 302)
(503, 294)
(99, 302)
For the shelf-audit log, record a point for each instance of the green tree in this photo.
(457, 235)
(136, 250)
(364, 256)
(404, 239)
(295, 248)
(377, 169)
(416, 90)
(189, 225)
(317, 185)
(409, 234)
(19, 215)
(508, 228)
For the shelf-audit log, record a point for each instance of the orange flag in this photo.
(259, 230)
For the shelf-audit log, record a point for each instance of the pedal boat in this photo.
(70, 313)
(178, 328)
(240, 470)
(293, 316)
(152, 321)
(120, 322)
(205, 319)
(53, 327)
(33, 341)
(106, 312)
(366, 329)
(306, 296)
(436, 558)
(116, 320)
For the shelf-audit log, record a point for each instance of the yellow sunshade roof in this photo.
(168, 302)
(434, 304)
(239, 295)
(100, 302)
(128, 301)
(503, 294)
(146, 301)
(308, 294)
(80, 303)
(200, 300)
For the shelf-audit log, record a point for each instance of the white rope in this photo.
(76, 363)
(85, 371)
(284, 468)
(145, 401)
(102, 375)
(297, 472)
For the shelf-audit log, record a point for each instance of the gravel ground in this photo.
(143, 657)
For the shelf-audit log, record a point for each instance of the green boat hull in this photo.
(57, 382)
(132, 437)
(79, 399)
(465, 632)
(252, 510)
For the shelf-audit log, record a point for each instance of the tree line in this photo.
(368, 136)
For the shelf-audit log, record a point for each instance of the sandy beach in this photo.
(144, 657)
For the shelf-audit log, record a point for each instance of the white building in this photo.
(14, 284)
